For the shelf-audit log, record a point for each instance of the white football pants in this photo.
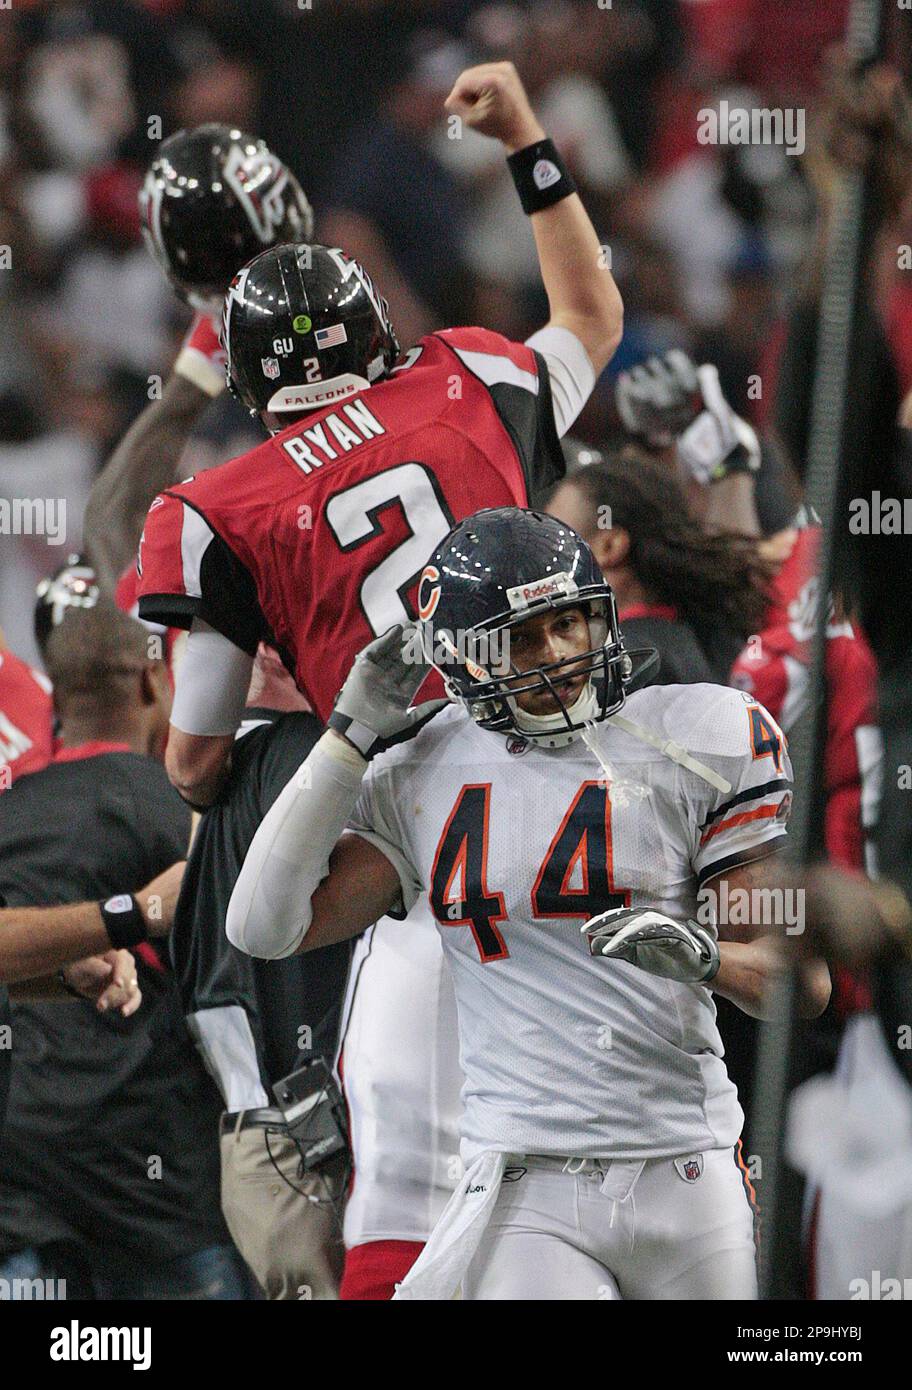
(666, 1228)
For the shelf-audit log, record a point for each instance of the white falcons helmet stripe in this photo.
(150, 219)
(258, 181)
(349, 268)
(234, 296)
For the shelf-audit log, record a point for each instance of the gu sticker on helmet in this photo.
(301, 323)
(270, 367)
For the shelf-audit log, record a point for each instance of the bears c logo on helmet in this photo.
(428, 592)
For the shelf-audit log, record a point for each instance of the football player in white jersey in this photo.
(570, 853)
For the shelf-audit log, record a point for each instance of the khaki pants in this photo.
(292, 1245)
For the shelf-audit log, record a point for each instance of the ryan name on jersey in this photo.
(333, 437)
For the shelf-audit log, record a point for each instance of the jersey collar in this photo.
(89, 750)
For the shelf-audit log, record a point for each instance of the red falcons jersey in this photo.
(26, 719)
(775, 668)
(315, 540)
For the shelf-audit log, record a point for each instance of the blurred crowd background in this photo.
(706, 241)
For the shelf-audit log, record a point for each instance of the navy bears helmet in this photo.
(493, 571)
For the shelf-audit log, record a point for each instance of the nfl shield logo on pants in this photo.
(690, 1168)
(270, 367)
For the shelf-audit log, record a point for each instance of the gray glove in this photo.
(659, 398)
(372, 709)
(655, 943)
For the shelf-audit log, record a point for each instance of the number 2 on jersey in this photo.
(581, 848)
(353, 517)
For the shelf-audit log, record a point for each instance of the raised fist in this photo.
(491, 99)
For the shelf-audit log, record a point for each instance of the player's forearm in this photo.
(582, 294)
(198, 765)
(37, 941)
(144, 462)
(748, 971)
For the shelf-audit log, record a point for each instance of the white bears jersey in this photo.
(400, 1071)
(563, 1053)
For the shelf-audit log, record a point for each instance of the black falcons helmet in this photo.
(212, 198)
(74, 585)
(302, 327)
(493, 571)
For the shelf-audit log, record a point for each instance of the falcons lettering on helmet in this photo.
(258, 181)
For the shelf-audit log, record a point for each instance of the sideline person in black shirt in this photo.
(257, 1021)
(36, 941)
(108, 1171)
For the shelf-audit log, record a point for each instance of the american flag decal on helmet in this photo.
(331, 337)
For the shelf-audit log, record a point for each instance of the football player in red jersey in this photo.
(26, 739)
(315, 541)
(775, 667)
(212, 197)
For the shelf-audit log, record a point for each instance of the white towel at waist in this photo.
(440, 1269)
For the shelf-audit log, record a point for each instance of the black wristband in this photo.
(541, 176)
(123, 921)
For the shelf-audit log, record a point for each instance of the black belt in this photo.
(262, 1118)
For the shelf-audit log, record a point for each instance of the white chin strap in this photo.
(550, 730)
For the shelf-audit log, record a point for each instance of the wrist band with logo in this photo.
(123, 921)
(540, 175)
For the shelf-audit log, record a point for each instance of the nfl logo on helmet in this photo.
(270, 367)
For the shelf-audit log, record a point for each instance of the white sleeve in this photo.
(374, 820)
(270, 909)
(571, 373)
(212, 683)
